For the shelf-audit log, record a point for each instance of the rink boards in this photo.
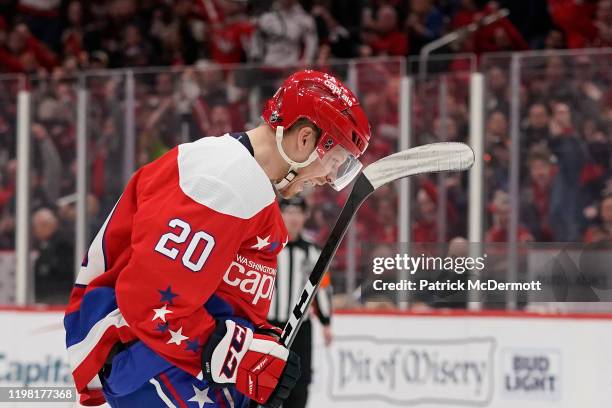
(448, 359)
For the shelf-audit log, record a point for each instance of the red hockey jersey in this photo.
(193, 238)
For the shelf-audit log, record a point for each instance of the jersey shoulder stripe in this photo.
(220, 173)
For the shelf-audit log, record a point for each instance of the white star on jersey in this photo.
(161, 313)
(176, 337)
(286, 240)
(200, 397)
(261, 243)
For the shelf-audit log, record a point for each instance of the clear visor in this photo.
(341, 167)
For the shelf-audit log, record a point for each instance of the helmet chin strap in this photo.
(293, 165)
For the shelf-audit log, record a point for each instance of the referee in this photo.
(295, 262)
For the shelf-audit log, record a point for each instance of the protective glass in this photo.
(341, 167)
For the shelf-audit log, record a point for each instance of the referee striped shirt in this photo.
(295, 262)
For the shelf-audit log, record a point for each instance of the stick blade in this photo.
(429, 158)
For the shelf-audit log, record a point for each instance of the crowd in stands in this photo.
(565, 115)
(43, 35)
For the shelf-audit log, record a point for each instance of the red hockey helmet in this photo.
(334, 109)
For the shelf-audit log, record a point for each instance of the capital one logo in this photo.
(255, 283)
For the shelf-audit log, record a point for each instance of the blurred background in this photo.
(112, 85)
(92, 90)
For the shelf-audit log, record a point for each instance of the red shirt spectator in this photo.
(393, 43)
(465, 15)
(72, 37)
(230, 30)
(576, 19)
(500, 207)
(8, 61)
(25, 53)
(501, 35)
(425, 229)
(388, 40)
(228, 41)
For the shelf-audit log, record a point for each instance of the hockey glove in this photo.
(257, 364)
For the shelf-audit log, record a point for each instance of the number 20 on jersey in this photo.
(164, 247)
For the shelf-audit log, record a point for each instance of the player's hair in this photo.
(301, 122)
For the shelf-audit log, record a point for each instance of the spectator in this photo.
(500, 212)
(497, 151)
(535, 196)
(54, 265)
(66, 213)
(31, 54)
(576, 19)
(497, 87)
(531, 18)
(160, 132)
(555, 71)
(211, 90)
(8, 177)
(134, 51)
(566, 198)
(423, 24)
(179, 45)
(321, 220)
(467, 12)
(49, 160)
(229, 37)
(602, 231)
(335, 38)
(499, 36)
(598, 144)
(500, 160)
(425, 229)
(220, 121)
(594, 172)
(387, 39)
(446, 130)
(536, 131)
(386, 210)
(603, 24)
(73, 42)
(43, 19)
(555, 39)
(458, 247)
(9, 62)
(98, 60)
(496, 128)
(280, 34)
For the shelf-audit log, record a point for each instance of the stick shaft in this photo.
(361, 190)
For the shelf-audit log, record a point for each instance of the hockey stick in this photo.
(430, 158)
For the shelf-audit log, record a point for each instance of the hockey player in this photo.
(169, 307)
